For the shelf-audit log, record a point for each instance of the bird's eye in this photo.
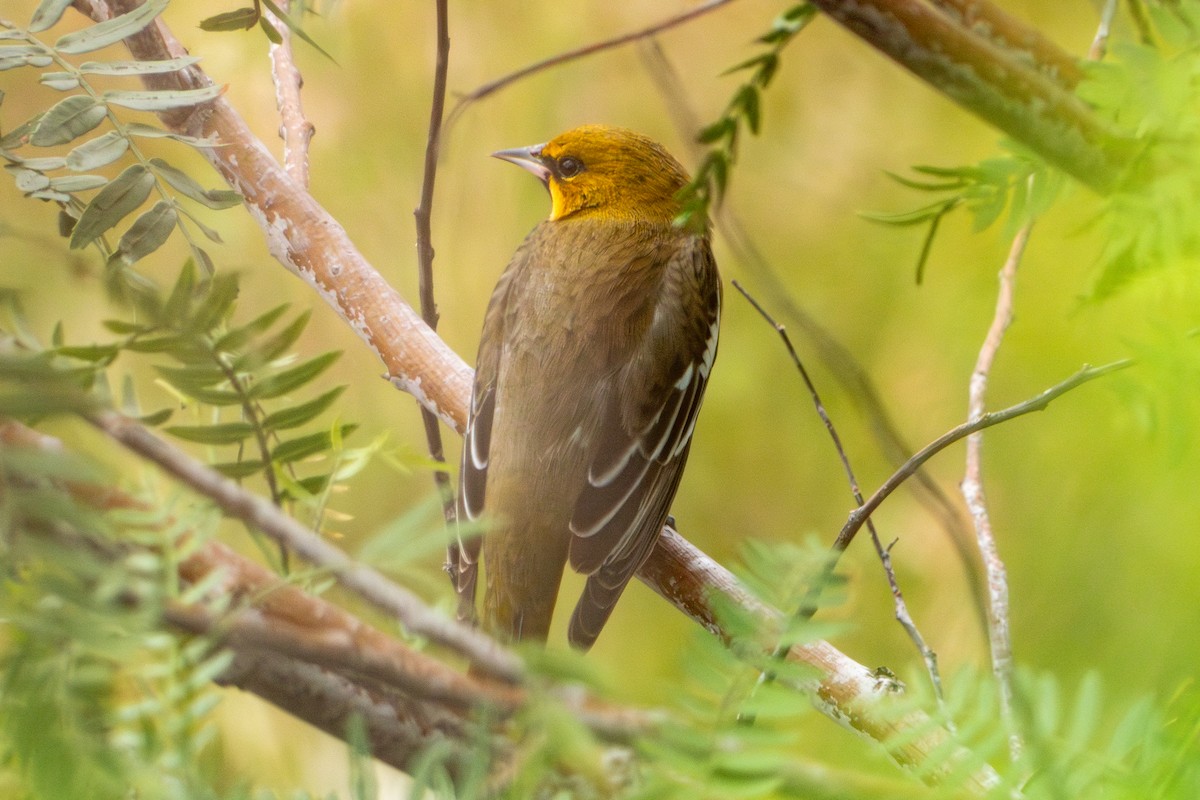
(569, 167)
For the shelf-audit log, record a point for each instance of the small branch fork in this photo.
(810, 603)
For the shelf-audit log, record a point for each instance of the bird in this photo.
(596, 349)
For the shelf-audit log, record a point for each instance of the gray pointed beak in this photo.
(527, 158)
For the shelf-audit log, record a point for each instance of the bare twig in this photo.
(424, 220)
(504, 81)
(1100, 43)
(901, 607)
(1039, 402)
(973, 493)
(294, 128)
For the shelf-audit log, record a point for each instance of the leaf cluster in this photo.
(95, 700)
(93, 204)
(1019, 184)
(744, 109)
(247, 17)
(1152, 90)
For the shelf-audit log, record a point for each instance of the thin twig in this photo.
(504, 81)
(483, 652)
(294, 128)
(999, 637)
(901, 607)
(1039, 402)
(424, 220)
(1100, 42)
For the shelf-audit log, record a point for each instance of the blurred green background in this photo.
(1094, 502)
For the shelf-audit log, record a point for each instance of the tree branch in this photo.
(990, 82)
(294, 127)
(504, 81)
(999, 637)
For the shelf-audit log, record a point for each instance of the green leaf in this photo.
(273, 35)
(78, 183)
(185, 185)
(151, 132)
(43, 164)
(67, 120)
(236, 338)
(123, 328)
(239, 469)
(221, 433)
(716, 131)
(47, 14)
(94, 352)
(296, 29)
(298, 415)
(926, 186)
(97, 152)
(156, 418)
(917, 216)
(240, 19)
(24, 61)
(28, 180)
(305, 446)
(137, 67)
(204, 260)
(163, 100)
(126, 192)
(148, 232)
(187, 379)
(180, 300)
(748, 100)
(277, 345)
(285, 381)
(111, 31)
(62, 81)
(314, 484)
(222, 290)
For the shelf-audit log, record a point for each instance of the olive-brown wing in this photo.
(646, 422)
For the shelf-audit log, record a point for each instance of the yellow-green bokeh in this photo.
(1093, 501)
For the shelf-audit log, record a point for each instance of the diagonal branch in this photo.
(991, 82)
(493, 86)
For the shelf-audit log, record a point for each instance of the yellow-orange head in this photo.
(604, 172)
